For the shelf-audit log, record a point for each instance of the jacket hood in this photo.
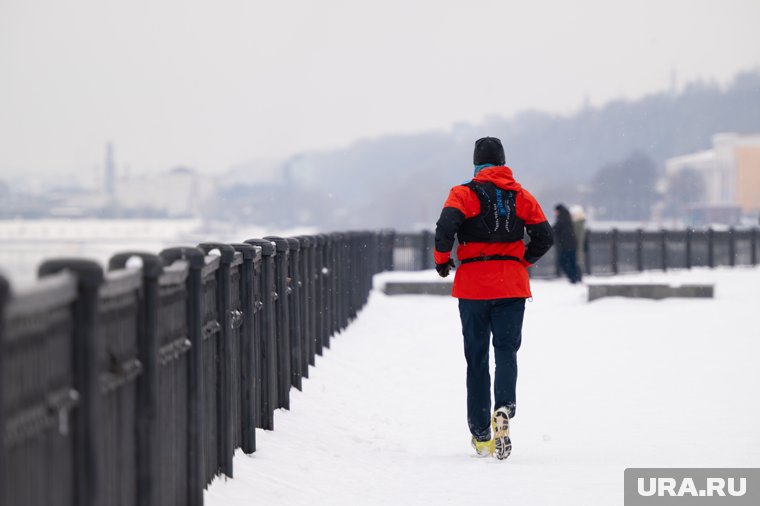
(501, 176)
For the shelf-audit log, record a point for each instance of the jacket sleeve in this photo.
(538, 228)
(541, 240)
(456, 209)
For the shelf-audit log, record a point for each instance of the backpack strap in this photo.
(479, 190)
(486, 258)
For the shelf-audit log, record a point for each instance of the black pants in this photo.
(568, 262)
(480, 318)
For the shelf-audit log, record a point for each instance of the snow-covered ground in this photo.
(603, 386)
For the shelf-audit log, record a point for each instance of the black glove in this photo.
(444, 269)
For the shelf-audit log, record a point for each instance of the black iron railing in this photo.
(616, 251)
(135, 386)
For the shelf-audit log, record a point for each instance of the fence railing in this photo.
(136, 385)
(617, 251)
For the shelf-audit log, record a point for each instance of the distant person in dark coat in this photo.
(566, 244)
(579, 227)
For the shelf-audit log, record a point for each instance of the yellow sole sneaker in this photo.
(500, 426)
(482, 448)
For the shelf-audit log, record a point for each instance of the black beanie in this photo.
(488, 150)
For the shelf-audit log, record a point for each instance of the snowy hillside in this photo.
(603, 386)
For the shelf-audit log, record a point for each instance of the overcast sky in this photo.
(214, 83)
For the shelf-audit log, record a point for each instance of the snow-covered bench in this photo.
(655, 291)
(417, 288)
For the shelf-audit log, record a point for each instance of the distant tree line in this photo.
(609, 158)
(625, 189)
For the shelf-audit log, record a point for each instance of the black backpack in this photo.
(497, 221)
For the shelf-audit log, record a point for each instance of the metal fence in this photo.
(616, 251)
(136, 385)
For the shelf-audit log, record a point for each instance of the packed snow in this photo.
(603, 386)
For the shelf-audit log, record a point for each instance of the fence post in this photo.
(732, 246)
(426, 258)
(311, 284)
(268, 341)
(304, 301)
(388, 239)
(85, 355)
(334, 277)
(195, 458)
(614, 251)
(283, 321)
(322, 290)
(294, 307)
(4, 296)
(336, 269)
(148, 470)
(753, 246)
(338, 274)
(689, 236)
(639, 250)
(248, 366)
(317, 291)
(370, 264)
(353, 254)
(345, 279)
(325, 276)
(328, 275)
(710, 247)
(664, 249)
(225, 443)
(259, 334)
(587, 252)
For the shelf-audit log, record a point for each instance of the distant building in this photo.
(747, 164)
(179, 192)
(110, 175)
(729, 175)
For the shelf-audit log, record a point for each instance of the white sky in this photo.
(214, 83)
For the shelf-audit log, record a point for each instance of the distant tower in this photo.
(586, 102)
(110, 170)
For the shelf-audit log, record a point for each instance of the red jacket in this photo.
(492, 279)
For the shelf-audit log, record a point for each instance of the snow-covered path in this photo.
(603, 386)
